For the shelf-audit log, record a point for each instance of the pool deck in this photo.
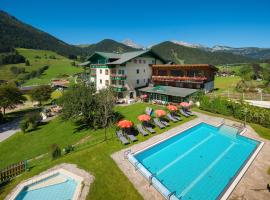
(83, 178)
(251, 186)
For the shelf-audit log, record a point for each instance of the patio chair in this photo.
(176, 116)
(131, 136)
(141, 130)
(184, 113)
(121, 137)
(163, 121)
(170, 117)
(158, 123)
(189, 112)
(149, 128)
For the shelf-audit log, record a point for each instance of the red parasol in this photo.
(184, 104)
(144, 118)
(172, 108)
(160, 113)
(124, 124)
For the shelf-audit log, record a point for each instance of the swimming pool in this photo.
(199, 163)
(57, 187)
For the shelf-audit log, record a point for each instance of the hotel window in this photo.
(113, 71)
(138, 81)
(100, 71)
(106, 82)
(106, 72)
(162, 73)
(140, 61)
(113, 82)
(135, 61)
(121, 82)
(144, 80)
(144, 70)
(119, 71)
(100, 81)
(138, 71)
(192, 73)
(144, 61)
(177, 73)
(153, 61)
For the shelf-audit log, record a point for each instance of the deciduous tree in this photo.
(10, 96)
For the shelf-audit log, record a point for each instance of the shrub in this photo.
(30, 121)
(27, 63)
(55, 151)
(23, 125)
(239, 110)
(68, 149)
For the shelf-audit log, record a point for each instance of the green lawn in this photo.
(58, 66)
(223, 84)
(93, 155)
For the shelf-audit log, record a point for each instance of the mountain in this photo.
(132, 44)
(183, 54)
(251, 52)
(14, 33)
(186, 44)
(107, 45)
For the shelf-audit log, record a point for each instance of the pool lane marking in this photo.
(185, 154)
(193, 183)
(168, 146)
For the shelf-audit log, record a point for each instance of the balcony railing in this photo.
(118, 77)
(93, 75)
(179, 79)
(119, 88)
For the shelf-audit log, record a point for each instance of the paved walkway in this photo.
(8, 129)
(248, 188)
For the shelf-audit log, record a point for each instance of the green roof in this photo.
(169, 90)
(124, 57)
(109, 55)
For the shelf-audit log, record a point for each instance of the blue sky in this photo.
(234, 23)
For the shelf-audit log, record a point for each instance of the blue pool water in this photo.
(198, 163)
(61, 191)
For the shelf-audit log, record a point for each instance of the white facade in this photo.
(135, 73)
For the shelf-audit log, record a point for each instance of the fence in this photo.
(12, 171)
(244, 96)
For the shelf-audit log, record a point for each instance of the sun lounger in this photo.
(150, 129)
(158, 123)
(164, 122)
(183, 113)
(132, 138)
(141, 130)
(122, 138)
(170, 117)
(189, 112)
(177, 117)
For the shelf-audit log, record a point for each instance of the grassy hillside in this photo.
(14, 33)
(107, 45)
(181, 54)
(58, 65)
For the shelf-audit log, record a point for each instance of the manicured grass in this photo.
(226, 83)
(58, 66)
(262, 131)
(22, 146)
(93, 155)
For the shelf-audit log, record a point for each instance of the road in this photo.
(8, 129)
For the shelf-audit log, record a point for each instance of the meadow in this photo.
(58, 66)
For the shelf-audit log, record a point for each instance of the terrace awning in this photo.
(169, 90)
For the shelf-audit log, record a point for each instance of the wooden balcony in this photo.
(119, 88)
(184, 79)
(118, 77)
